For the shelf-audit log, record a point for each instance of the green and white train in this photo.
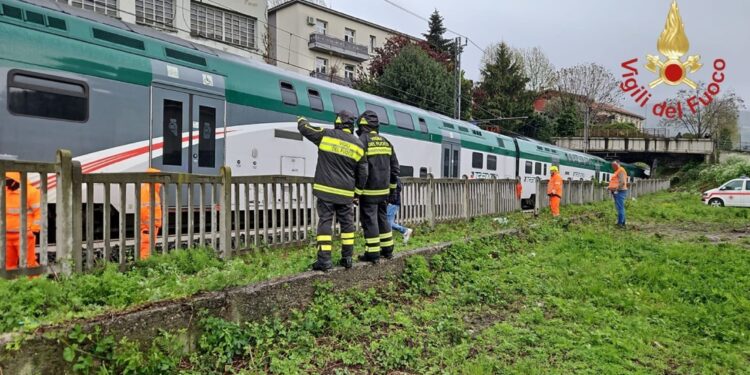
(124, 97)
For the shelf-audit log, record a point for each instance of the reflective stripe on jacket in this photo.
(555, 185)
(342, 163)
(383, 167)
(13, 207)
(619, 180)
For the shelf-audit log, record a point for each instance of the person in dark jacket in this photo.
(341, 169)
(394, 206)
(381, 181)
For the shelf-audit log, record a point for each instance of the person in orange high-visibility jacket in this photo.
(145, 213)
(519, 188)
(13, 221)
(618, 186)
(555, 190)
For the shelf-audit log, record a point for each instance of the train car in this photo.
(123, 97)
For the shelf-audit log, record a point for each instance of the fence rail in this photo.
(97, 217)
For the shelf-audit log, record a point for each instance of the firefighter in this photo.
(13, 221)
(555, 191)
(380, 186)
(145, 213)
(341, 169)
(618, 187)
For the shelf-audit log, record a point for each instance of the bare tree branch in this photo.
(707, 121)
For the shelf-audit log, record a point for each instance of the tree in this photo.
(568, 121)
(414, 78)
(434, 35)
(589, 85)
(502, 89)
(538, 69)
(717, 120)
(538, 126)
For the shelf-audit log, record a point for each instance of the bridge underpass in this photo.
(650, 150)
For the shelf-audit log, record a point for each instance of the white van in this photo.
(735, 193)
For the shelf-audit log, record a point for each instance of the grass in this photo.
(568, 296)
(26, 304)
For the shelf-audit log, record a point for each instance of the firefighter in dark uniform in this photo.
(342, 168)
(381, 183)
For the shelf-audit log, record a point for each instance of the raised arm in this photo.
(312, 133)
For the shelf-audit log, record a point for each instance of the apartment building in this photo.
(228, 25)
(313, 39)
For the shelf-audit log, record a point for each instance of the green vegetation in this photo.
(28, 303)
(567, 296)
(700, 177)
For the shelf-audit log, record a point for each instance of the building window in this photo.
(222, 25)
(321, 26)
(321, 65)
(372, 43)
(349, 35)
(477, 160)
(158, 13)
(107, 7)
(349, 72)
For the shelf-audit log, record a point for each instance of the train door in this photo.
(186, 128)
(451, 159)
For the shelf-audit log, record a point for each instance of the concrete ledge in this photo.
(42, 353)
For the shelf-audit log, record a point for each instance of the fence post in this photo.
(430, 204)
(466, 199)
(64, 216)
(225, 218)
(537, 199)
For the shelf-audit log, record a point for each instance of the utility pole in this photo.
(457, 49)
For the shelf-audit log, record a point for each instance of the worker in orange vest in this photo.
(555, 190)
(13, 221)
(519, 188)
(618, 186)
(145, 213)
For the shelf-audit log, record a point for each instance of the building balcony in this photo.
(332, 78)
(338, 47)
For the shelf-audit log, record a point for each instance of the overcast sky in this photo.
(606, 32)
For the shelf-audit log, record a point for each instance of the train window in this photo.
(422, 125)
(500, 143)
(492, 162)
(539, 148)
(316, 102)
(538, 168)
(529, 167)
(448, 126)
(380, 111)
(342, 103)
(118, 39)
(476, 132)
(463, 129)
(545, 169)
(207, 140)
(446, 162)
(35, 17)
(186, 57)
(41, 95)
(172, 132)
(12, 11)
(477, 160)
(404, 120)
(406, 171)
(56, 23)
(288, 95)
(423, 172)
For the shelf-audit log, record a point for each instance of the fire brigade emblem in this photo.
(673, 44)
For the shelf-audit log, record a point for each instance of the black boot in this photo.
(386, 253)
(346, 262)
(370, 256)
(324, 262)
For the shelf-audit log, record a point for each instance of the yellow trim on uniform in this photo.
(358, 191)
(376, 192)
(375, 240)
(338, 120)
(324, 237)
(326, 247)
(386, 235)
(343, 148)
(347, 241)
(362, 121)
(393, 186)
(379, 151)
(314, 128)
(333, 190)
(347, 235)
(387, 243)
(372, 249)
